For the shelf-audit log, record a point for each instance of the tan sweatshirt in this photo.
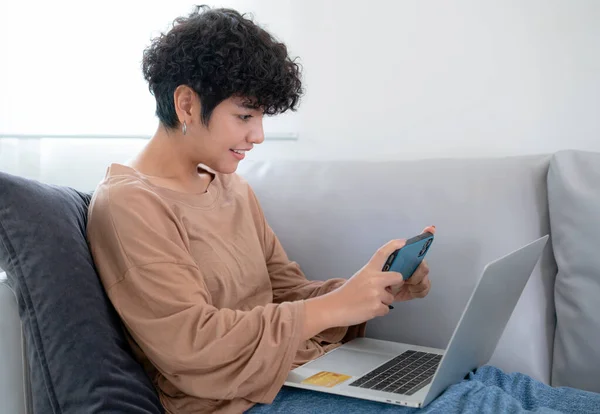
(213, 307)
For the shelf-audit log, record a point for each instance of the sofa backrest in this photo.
(332, 216)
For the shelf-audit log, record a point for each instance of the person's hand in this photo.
(365, 295)
(418, 285)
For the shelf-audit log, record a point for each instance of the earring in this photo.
(184, 129)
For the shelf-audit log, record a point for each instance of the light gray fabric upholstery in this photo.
(332, 216)
(574, 200)
(13, 392)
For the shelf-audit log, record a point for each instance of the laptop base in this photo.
(359, 357)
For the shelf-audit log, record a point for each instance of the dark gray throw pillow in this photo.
(79, 358)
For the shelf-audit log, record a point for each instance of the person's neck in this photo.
(164, 157)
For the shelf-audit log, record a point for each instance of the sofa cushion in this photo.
(574, 200)
(79, 358)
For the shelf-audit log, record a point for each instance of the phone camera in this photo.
(425, 247)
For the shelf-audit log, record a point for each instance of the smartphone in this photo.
(408, 258)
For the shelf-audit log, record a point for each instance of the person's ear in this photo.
(183, 98)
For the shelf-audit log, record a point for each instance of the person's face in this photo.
(232, 131)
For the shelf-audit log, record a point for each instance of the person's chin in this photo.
(228, 168)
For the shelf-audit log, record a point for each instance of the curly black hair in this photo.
(220, 53)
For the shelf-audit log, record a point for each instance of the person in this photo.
(212, 307)
(215, 311)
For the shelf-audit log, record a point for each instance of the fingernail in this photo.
(390, 306)
(433, 227)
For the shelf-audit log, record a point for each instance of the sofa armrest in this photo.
(13, 388)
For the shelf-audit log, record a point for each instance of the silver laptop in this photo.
(411, 375)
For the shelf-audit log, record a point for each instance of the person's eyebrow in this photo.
(247, 105)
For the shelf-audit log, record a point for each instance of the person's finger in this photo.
(387, 298)
(421, 290)
(383, 310)
(386, 279)
(429, 229)
(382, 254)
(418, 288)
(420, 295)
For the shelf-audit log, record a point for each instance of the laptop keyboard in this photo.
(405, 374)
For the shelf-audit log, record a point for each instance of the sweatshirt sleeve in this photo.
(139, 248)
(289, 282)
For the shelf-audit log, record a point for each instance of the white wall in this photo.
(416, 79)
(75, 66)
(384, 79)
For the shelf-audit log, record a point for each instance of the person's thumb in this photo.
(382, 254)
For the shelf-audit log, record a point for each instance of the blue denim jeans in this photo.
(488, 390)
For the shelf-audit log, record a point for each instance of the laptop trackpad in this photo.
(348, 362)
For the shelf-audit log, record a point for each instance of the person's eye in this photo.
(245, 117)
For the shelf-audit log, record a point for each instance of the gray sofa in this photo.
(331, 216)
